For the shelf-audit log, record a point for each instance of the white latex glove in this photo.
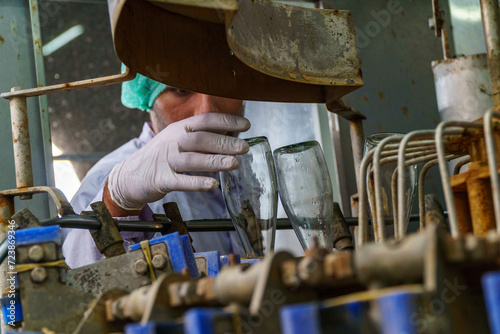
(190, 145)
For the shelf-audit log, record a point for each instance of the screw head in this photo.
(159, 261)
(38, 274)
(140, 267)
(35, 253)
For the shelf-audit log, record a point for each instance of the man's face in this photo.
(174, 105)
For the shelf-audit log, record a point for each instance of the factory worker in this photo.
(176, 158)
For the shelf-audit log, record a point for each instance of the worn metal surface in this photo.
(148, 303)
(199, 58)
(491, 25)
(372, 263)
(312, 46)
(108, 239)
(463, 88)
(63, 306)
(21, 142)
(178, 225)
(25, 219)
(437, 23)
(116, 272)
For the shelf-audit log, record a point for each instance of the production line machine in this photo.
(443, 279)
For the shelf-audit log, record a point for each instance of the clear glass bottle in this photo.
(251, 196)
(305, 190)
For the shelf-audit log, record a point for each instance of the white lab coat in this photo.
(79, 248)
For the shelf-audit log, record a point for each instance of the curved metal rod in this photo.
(380, 226)
(402, 176)
(443, 169)
(394, 194)
(363, 199)
(492, 161)
(421, 183)
(460, 164)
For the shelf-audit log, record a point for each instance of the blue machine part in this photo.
(38, 235)
(188, 254)
(301, 318)
(175, 250)
(396, 310)
(491, 290)
(212, 261)
(12, 309)
(155, 328)
(224, 260)
(250, 261)
(200, 320)
(317, 318)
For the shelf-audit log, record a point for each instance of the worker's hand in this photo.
(195, 144)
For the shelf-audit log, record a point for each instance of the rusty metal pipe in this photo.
(21, 142)
(358, 144)
(490, 13)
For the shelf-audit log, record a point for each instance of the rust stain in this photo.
(66, 85)
(413, 82)
(2, 40)
(38, 44)
(18, 56)
(1, 17)
(406, 112)
(381, 95)
(364, 99)
(34, 8)
(6, 208)
(379, 128)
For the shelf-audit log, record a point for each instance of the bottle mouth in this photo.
(296, 148)
(256, 140)
(374, 139)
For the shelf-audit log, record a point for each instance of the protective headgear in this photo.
(141, 92)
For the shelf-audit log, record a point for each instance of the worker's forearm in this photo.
(113, 208)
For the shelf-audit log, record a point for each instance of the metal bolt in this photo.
(159, 261)
(140, 267)
(35, 253)
(38, 274)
